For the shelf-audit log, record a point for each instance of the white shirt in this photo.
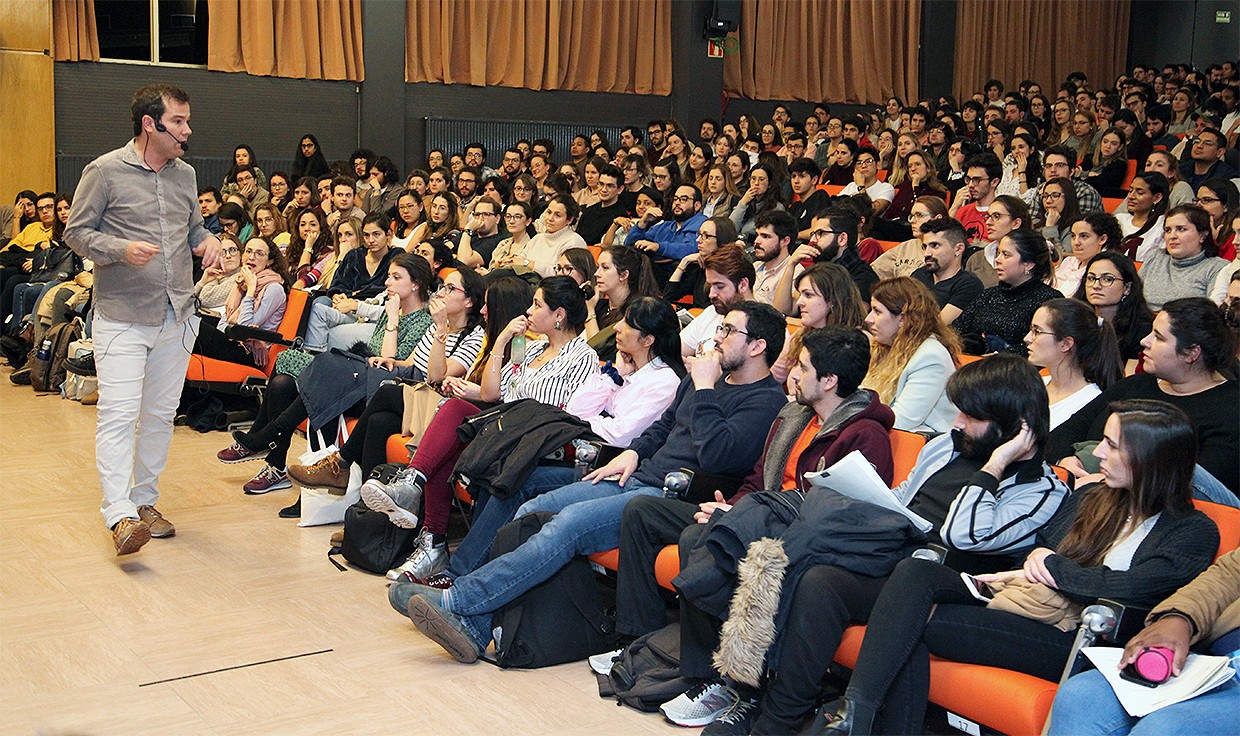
(556, 381)
(878, 190)
(1063, 409)
(1151, 240)
(619, 414)
(767, 279)
(1119, 557)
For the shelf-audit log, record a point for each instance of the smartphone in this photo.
(1131, 674)
(977, 588)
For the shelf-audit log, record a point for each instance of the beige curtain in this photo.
(73, 30)
(583, 45)
(1041, 40)
(299, 39)
(816, 50)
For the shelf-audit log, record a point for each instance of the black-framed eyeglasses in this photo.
(817, 234)
(564, 270)
(229, 251)
(1106, 279)
(449, 288)
(725, 330)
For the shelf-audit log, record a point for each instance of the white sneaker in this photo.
(701, 705)
(601, 663)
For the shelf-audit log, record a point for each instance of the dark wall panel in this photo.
(268, 113)
(1167, 32)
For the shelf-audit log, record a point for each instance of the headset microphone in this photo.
(164, 129)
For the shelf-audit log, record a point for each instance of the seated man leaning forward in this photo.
(716, 422)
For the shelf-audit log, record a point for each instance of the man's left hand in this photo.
(209, 251)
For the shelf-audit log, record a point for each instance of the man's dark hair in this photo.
(479, 146)
(796, 136)
(1063, 151)
(714, 123)
(840, 351)
(781, 221)
(1111, 101)
(365, 153)
(1137, 93)
(949, 226)
(922, 111)
(513, 149)
(1218, 135)
(1161, 113)
(150, 101)
(987, 161)
(1125, 116)
(205, 190)
(613, 170)
(1005, 389)
(471, 170)
(633, 131)
(343, 181)
(993, 83)
(243, 167)
(862, 149)
(764, 322)
(1019, 102)
(731, 262)
(843, 222)
(804, 165)
(545, 143)
(387, 168)
(654, 124)
(697, 193)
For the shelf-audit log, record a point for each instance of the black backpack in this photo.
(647, 673)
(371, 541)
(562, 619)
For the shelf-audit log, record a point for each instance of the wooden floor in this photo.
(86, 637)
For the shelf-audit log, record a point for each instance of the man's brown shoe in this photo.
(129, 535)
(337, 538)
(331, 472)
(160, 527)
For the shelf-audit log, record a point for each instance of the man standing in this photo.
(135, 215)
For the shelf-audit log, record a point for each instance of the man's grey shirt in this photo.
(120, 199)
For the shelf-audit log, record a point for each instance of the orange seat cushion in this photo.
(609, 559)
(219, 371)
(396, 450)
(667, 565)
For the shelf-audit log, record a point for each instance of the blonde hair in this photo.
(912, 300)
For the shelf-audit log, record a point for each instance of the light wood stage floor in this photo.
(83, 633)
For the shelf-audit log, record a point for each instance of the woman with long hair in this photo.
(305, 194)
(1006, 214)
(1060, 132)
(258, 298)
(906, 143)
(1113, 290)
(720, 194)
(1061, 212)
(920, 180)
(269, 223)
(677, 149)
(1133, 535)
(998, 319)
(519, 222)
(700, 158)
(346, 234)
(544, 249)
(665, 177)
(1022, 167)
(309, 241)
(761, 196)
(689, 278)
(1079, 351)
(623, 274)
(588, 194)
(771, 137)
(1165, 163)
(912, 354)
(1190, 262)
(1220, 199)
(243, 156)
(550, 371)
(1107, 166)
(397, 331)
(410, 215)
(825, 295)
(1142, 218)
(279, 185)
(216, 284)
(1182, 105)
(443, 226)
(1085, 130)
(309, 159)
(234, 219)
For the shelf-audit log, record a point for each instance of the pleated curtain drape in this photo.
(816, 50)
(1011, 40)
(620, 46)
(299, 39)
(74, 37)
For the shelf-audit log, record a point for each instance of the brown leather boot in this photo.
(331, 472)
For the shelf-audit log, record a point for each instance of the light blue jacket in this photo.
(921, 404)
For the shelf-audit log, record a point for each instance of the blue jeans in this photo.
(323, 317)
(587, 521)
(1207, 488)
(1086, 705)
(491, 513)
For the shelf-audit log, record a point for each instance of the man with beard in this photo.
(670, 240)
(832, 239)
(830, 418)
(729, 280)
(715, 422)
(511, 165)
(655, 134)
(954, 288)
(776, 231)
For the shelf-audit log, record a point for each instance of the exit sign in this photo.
(1222, 16)
(714, 49)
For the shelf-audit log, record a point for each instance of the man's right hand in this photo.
(624, 465)
(708, 509)
(140, 252)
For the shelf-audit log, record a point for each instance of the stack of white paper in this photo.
(853, 476)
(1201, 674)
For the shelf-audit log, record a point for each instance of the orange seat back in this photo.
(595, 250)
(905, 447)
(888, 244)
(966, 359)
(1110, 204)
(1129, 175)
(1228, 521)
(834, 189)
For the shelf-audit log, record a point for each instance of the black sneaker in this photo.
(83, 366)
(735, 721)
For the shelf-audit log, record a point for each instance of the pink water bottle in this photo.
(1154, 663)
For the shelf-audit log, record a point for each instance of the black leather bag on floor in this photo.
(562, 619)
(371, 541)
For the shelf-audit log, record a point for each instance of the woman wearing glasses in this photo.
(1078, 350)
(519, 221)
(309, 159)
(1112, 288)
(1061, 212)
(257, 297)
(1220, 199)
(213, 288)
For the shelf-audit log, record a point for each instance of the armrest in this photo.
(698, 486)
(242, 332)
(932, 552)
(1108, 621)
(1129, 620)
